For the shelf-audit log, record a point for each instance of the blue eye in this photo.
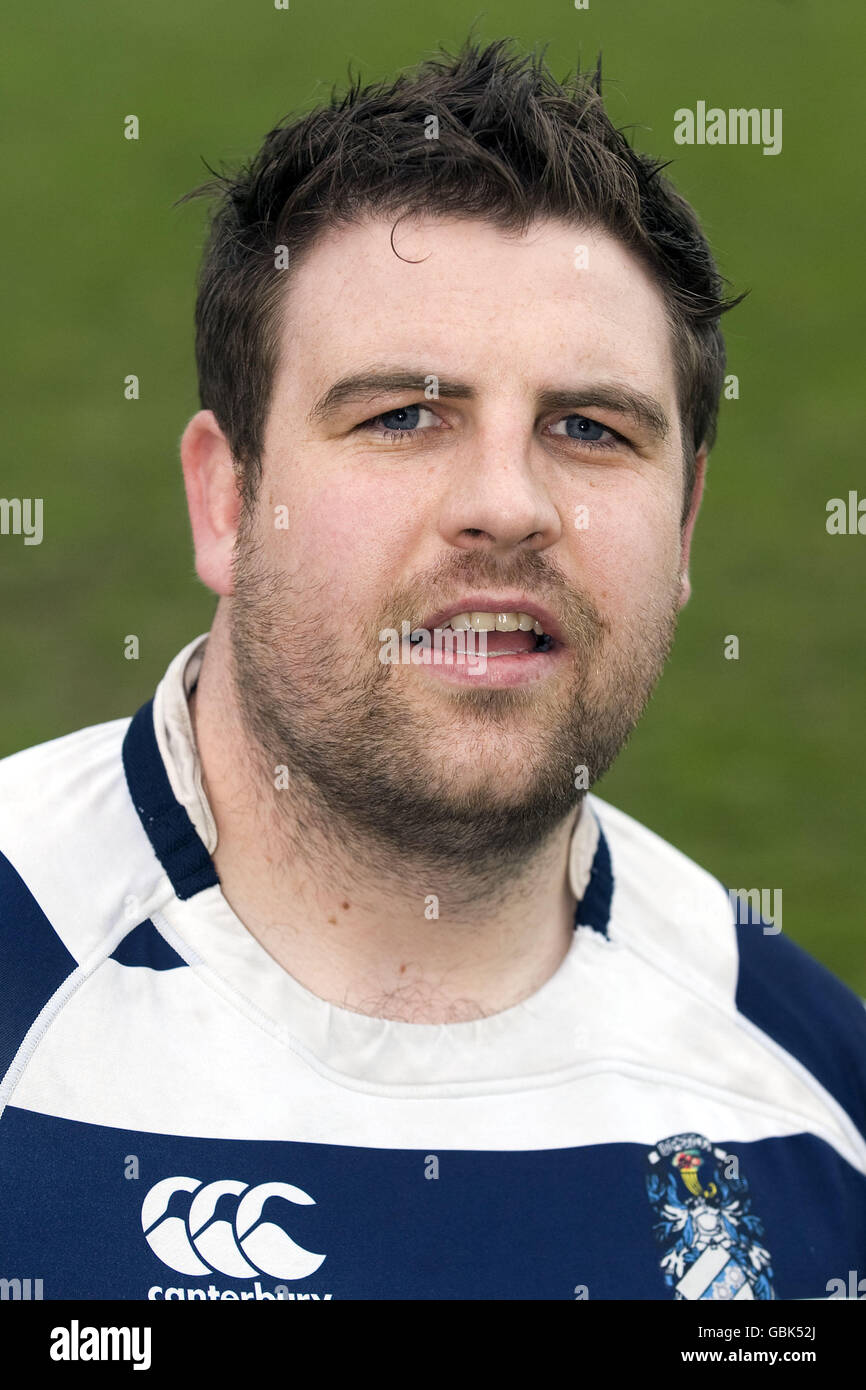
(587, 431)
(583, 428)
(403, 424)
(406, 418)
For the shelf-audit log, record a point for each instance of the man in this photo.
(325, 976)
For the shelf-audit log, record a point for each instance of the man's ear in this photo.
(689, 526)
(213, 499)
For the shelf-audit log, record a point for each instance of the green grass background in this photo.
(755, 767)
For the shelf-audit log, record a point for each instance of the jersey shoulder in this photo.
(672, 910)
(71, 843)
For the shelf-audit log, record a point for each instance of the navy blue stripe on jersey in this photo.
(803, 1007)
(176, 843)
(593, 910)
(145, 947)
(542, 1224)
(33, 961)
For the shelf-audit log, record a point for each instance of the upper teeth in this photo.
(494, 622)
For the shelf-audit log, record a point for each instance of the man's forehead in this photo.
(466, 296)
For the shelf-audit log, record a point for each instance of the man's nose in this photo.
(498, 496)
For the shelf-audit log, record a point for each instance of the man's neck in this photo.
(362, 929)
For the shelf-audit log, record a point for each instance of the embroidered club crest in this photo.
(709, 1236)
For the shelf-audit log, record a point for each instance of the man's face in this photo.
(541, 473)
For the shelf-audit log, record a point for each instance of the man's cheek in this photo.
(629, 553)
(348, 533)
(305, 546)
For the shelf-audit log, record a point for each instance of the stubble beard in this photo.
(379, 773)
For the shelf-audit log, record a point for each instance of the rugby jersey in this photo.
(679, 1112)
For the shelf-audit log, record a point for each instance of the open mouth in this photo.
(512, 633)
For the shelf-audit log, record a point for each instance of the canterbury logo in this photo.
(242, 1249)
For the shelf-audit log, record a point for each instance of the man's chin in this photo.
(482, 791)
(497, 728)
(466, 809)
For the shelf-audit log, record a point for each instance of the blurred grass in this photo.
(753, 767)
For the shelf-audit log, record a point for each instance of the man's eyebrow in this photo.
(609, 395)
(366, 385)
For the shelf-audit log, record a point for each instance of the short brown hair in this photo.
(513, 144)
